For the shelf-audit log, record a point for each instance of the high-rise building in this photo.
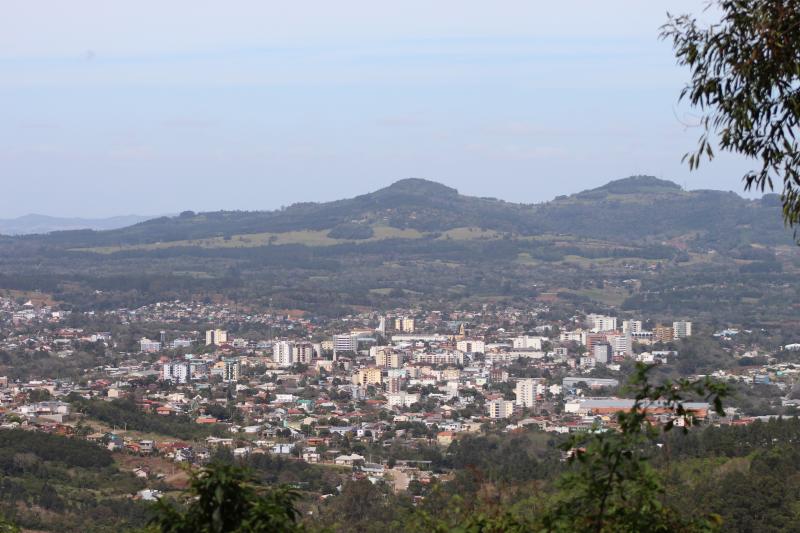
(394, 385)
(621, 344)
(303, 352)
(602, 353)
(404, 324)
(681, 329)
(345, 343)
(177, 372)
(368, 376)
(471, 346)
(600, 323)
(500, 408)
(217, 337)
(147, 345)
(231, 369)
(526, 342)
(632, 326)
(526, 392)
(283, 353)
(663, 334)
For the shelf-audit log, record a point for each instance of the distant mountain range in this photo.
(33, 223)
(635, 209)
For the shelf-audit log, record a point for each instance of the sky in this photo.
(153, 107)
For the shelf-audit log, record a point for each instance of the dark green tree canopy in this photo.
(745, 79)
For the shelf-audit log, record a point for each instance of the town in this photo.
(182, 380)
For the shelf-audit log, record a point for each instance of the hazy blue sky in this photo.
(159, 106)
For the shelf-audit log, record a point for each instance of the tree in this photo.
(614, 487)
(744, 79)
(225, 498)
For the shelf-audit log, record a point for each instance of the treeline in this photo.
(55, 483)
(126, 414)
(47, 447)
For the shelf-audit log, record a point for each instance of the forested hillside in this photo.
(640, 243)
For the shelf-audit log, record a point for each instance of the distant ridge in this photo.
(637, 185)
(35, 223)
(625, 211)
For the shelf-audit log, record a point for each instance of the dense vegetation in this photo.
(55, 483)
(126, 414)
(641, 243)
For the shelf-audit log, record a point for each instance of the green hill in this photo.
(639, 208)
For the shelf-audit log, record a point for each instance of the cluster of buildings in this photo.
(333, 391)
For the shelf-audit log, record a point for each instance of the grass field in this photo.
(305, 237)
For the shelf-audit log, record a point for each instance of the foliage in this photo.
(614, 488)
(125, 413)
(744, 78)
(71, 452)
(224, 498)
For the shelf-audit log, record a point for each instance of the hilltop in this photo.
(639, 208)
(637, 243)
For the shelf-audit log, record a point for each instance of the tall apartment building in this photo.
(681, 329)
(345, 343)
(602, 353)
(471, 346)
(621, 344)
(594, 338)
(386, 357)
(443, 358)
(217, 337)
(599, 323)
(404, 324)
(631, 326)
(231, 369)
(526, 392)
(368, 376)
(394, 384)
(663, 334)
(147, 345)
(500, 408)
(283, 353)
(526, 342)
(177, 372)
(304, 352)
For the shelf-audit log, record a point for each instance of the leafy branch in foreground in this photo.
(225, 499)
(613, 487)
(610, 487)
(745, 78)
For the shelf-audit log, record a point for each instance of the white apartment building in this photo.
(602, 353)
(578, 336)
(216, 336)
(443, 358)
(231, 369)
(600, 323)
(526, 342)
(682, 329)
(147, 345)
(471, 346)
(404, 324)
(500, 408)
(621, 344)
(177, 372)
(402, 399)
(345, 343)
(526, 391)
(283, 353)
(632, 326)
